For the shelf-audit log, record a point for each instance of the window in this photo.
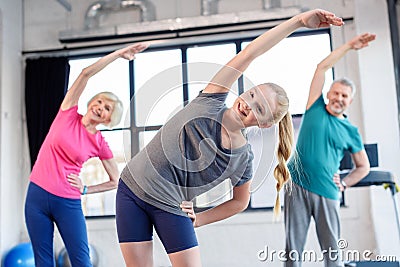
(203, 62)
(161, 80)
(158, 86)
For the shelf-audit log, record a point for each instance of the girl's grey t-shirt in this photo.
(186, 159)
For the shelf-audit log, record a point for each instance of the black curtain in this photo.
(46, 81)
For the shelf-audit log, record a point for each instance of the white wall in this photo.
(234, 242)
(12, 170)
(379, 108)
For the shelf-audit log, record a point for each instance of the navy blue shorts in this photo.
(135, 221)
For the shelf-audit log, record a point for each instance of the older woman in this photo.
(55, 189)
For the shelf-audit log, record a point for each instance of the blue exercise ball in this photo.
(20, 256)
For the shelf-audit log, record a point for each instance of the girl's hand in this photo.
(319, 18)
(361, 40)
(129, 52)
(75, 181)
(187, 206)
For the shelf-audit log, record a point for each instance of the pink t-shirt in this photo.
(67, 146)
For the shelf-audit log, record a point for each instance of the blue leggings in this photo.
(42, 210)
(135, 221)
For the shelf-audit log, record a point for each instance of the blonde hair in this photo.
(285, 140)
(118, 108)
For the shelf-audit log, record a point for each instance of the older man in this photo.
(324, 136)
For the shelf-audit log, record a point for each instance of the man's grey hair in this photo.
(346, 82)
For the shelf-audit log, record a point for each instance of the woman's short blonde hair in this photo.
(118, 108)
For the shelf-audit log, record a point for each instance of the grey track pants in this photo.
(300, 206)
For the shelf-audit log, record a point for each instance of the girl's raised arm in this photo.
(224, 79)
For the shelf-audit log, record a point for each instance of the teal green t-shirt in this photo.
(321, 144)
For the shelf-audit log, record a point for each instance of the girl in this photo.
(198, 148)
